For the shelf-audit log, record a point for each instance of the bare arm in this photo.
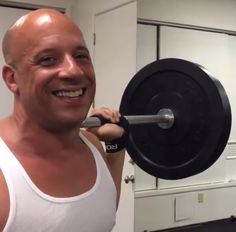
(4, 201)
(109, 132)
(116, 163)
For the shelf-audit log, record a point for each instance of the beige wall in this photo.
(209, 13)
(84, 11)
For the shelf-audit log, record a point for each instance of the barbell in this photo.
(180, 118)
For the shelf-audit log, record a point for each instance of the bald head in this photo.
(30, 26)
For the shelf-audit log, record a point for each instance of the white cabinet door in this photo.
(115, 64)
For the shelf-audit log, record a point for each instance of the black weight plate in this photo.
(202, 118)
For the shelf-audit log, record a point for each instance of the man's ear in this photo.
(8, 74)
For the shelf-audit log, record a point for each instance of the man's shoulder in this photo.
(4, 201)
(91, 137)
(94, 140)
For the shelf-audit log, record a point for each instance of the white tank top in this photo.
(31, 210)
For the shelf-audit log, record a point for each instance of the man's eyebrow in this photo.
(45, 50)
(53, 49)
(83, 48)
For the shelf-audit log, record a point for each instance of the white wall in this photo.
(65, 4)
(157, 209)
(208, 13)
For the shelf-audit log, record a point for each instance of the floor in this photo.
(224, 225)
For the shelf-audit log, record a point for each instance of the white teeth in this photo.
(76, 93)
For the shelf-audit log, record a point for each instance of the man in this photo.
(54, 176)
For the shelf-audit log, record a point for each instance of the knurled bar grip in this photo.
(164, 118)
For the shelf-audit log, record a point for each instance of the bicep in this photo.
(4, 201)
(114, 161)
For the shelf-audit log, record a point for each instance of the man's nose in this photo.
(70, 68)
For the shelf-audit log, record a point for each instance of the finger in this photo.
(110, 114)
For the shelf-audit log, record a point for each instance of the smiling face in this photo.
(50, 72)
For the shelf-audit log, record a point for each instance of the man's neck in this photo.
(31, 137)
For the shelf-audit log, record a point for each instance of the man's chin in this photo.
(62, 126)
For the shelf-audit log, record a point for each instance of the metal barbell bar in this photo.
(164, 119)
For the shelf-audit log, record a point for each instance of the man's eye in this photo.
(47, 60)
(82, 56)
